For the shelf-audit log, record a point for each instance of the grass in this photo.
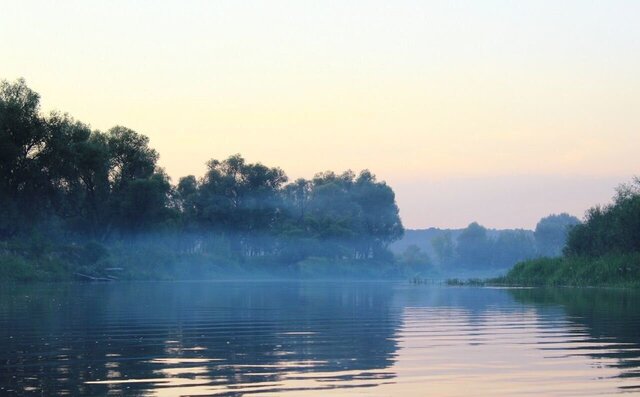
(613, 270)
(472, 282)
(17, 268)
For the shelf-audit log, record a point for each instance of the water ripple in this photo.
(310, 339)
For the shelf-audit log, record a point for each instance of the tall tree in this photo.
(512, 246)
(240, 199)
(614, 228)
(474, 246)
(551, 233)
(23, 137)
(444, 248)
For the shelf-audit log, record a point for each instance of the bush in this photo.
(622, 270)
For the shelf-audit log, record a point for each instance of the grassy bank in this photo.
(30, 261)
(612, 270)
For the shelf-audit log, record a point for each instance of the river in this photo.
(315, 339)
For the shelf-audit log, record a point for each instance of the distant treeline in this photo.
(478, 250)
(67, 191)
(604, 250)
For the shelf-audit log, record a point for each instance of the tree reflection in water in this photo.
(78, 339)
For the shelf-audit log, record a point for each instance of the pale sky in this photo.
(493, 111)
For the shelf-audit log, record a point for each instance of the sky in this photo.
(500, 112)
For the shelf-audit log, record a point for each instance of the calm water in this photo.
(312, 339)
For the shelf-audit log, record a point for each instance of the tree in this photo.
(64, 164)
(130, 156)
(444, 248)
(187, 198)
(511, 247)
(381, 223)
(551, 233)
(614, 228)
(332, 214)
(474, 247)
(414, 257)
(139, 190)
(22, 139)
(626, 212)
(358, 216)
(60, 177)
(240, 199)
(297, 196)
(92, 160)
(144, 204)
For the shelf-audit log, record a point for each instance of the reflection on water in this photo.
(196, 338)
(231, 339)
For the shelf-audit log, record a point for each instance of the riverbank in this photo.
(612, 270)
(609, 271)
(73, 264)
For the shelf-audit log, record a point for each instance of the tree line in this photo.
(65, 182)
(476, 247)
(604, 250)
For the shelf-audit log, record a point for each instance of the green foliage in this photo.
(511, 247)
(602, 251)
(414, 262)
(551, 233)
(238, 198)
(444, 248)
(474, 246)
(615, 270)
(17, 268)
(614, 228)
(23, 136)
(14, 267)
(477, 248)
(93, 196)
(472, 282)
(476, 251)
(414, 256)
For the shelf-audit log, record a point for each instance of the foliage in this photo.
(444, 248)
(74, 186)
(614, 228)
(415, 263)
(513, 246)
(472, 282)
(614, 270)
(473, 246)
(602, 251)
(551, 233)
(477, 248)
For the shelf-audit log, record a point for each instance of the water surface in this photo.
(315, 338)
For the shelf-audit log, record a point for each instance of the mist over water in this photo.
(308, 338)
